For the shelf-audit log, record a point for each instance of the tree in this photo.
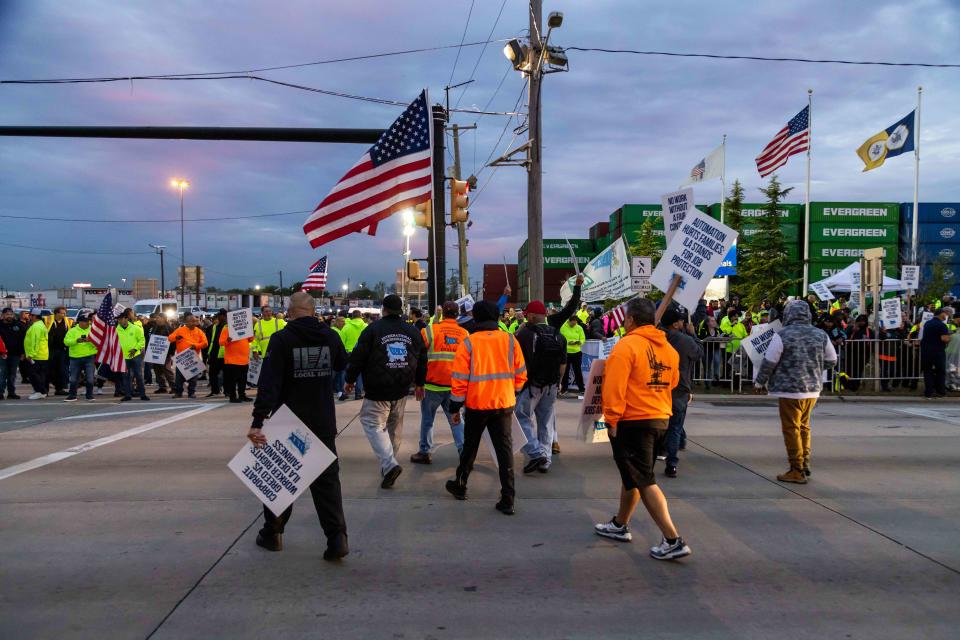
(380, 288)
(453, 288)
(733, 208)
(764, 263)
(940, 283)
(647, 243)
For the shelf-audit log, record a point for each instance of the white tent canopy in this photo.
(843, 281)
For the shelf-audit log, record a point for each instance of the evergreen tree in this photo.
(939, 283)
(733, 208)
(764, 263)
(646, 243)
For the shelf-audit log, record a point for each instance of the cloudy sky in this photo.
(617, 128)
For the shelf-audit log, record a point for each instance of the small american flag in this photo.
(317, 276)
(395, 173)
(793, 138)
(697, 172)
(103, 335)
(617, 314)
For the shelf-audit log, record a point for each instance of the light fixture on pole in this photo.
(181, 184)
(163, 284)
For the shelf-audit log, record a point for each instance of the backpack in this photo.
(549, 354)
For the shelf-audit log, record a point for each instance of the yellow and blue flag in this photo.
(892, 141)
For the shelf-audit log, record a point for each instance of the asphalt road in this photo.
(123, 521)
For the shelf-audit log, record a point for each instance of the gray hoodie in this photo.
(796, 357)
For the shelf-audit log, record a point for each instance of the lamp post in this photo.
(163, 284)
(408, 229)
(181, 184)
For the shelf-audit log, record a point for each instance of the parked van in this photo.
(167, 306)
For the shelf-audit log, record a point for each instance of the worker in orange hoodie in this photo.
(638, 380)
(488, 371)
(187, 336)
(236, 359)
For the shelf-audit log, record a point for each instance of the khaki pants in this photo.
(795, 423)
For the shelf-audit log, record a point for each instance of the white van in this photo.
(167, 306)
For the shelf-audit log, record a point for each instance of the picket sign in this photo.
(592, 427)
(822, 291)
(466, 303)
(157, 349)
(253, 370)
(240, 324)
(675, 205)
(189, 364)
(890, 316)
(756, 344)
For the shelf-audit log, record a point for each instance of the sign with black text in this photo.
(823, 292)
(189, 364)
(157, 349)
(253, 370)
(676, 206)
(593, 428)
(910, 276)
(240, 323)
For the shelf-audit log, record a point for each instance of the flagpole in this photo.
(723, 177)
(806, 203)
(916, 178)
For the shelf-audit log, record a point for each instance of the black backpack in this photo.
(549, 354)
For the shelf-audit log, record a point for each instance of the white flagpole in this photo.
(806, 213)
(916, 178)
(723, 176)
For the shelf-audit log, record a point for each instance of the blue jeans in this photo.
(338, 381)
(9, 369)
(675, 432)
(358, 390)
(433, 400)
(537, 402)
(90, 371)
(135, 371)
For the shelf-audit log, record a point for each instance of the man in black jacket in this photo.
(12, 333)
(390, 355)
(682, 338)
(215, 354)
(298, 372)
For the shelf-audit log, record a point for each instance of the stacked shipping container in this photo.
(840, 231)
(557, 266)
(938, 230)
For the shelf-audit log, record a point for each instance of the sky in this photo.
(617, 128)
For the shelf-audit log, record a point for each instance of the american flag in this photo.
(103, 335)
(793, 138)
(697, 172)
(395, 173)
(317, 277)
(617, 314)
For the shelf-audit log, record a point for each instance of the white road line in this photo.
(93, 444)
(930, 413)
(85, 416)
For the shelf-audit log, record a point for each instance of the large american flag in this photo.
(793, 138)
(317, 277)
(103, 335)
(395, 173)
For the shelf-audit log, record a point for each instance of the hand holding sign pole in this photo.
(573, 257)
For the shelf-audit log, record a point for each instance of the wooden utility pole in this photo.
(535, 169)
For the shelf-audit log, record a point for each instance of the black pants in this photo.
(57, 369)
(215, 366)
(498, 423)
(574, 362)
(327, 500)
(934, 367)
(235, 380)
(37, 373)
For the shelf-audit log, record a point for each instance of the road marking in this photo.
(930, 413)
(93, 444)
(85, 416)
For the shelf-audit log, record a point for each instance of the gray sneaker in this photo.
(667, 551)
(613, 530)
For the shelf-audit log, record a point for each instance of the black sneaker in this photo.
(456, 489)
(70, 399)
(145, 398)
(270, 542)
(670, 551)
(343, 397)
(126, 399)
(534, 464)
(671, 471)
(246, 399)
(13, 396)
(391, 477)
(504, 507)
(421, 458)
(336, 549)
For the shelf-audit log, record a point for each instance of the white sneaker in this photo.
(614, 531)
(667, 551)
(36, 396)
(99, 391)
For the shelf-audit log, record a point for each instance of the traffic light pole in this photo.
(534, 169)
(436, 256)
(461, 226)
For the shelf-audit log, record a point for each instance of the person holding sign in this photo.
(297, 372)
(640, 375)
(690, 350)
(792, 371)
(187, 336)
(236, 357)
(573, 332)
(215, 352)
(132, 343)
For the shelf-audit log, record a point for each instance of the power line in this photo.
(766, 58)
(482, 51)
(153, 220)
(462, 38)
(87, 252)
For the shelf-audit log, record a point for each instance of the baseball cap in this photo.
(536, 306)
(36, 311)
(451, 308)
(393, 303)
(669, 317)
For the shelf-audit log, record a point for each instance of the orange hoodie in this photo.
(639, 376)
(188, 338)
(235, 351)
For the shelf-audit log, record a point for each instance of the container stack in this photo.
(938, 229)
(628, 220)
(840, 231)
(791, 216)
(556, 264)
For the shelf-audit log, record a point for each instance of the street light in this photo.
(182, 184)
(163, 285)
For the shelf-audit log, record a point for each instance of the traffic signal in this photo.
(459, 201)
(413, 270)
(423, 214)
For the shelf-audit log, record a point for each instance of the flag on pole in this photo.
(709, 167)
(395, 173)
(317, 276)
(892, 141)
(103, 335)
(617, 314)
(792, 139)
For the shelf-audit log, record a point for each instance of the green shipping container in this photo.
(821, 270)
(791, 233)
(873, 235)
(835, 253)
(636, 214)
(855, 213)
(750, 211)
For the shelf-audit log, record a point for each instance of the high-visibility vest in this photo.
(48, 322)
(442, 340)
(262, 330)
(488, 371)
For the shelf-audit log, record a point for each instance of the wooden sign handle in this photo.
(667, 297)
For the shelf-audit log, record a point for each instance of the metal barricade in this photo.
(860, 366)
(720, 368)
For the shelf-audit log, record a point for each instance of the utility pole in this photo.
(437, 253)
(461, 226)
(163, 284)
(535, 169)
(281, 291)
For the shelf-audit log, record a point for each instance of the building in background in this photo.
(146, 288)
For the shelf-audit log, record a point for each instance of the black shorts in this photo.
(635, 449)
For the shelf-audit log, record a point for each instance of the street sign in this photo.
(641, 285)
(641, 267)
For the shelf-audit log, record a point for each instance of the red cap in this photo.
(536, 306)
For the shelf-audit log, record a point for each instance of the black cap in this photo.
(221, 311)
(393, 303)
(670, 316)
(483, 311)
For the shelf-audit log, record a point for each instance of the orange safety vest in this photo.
(442, 340)
(488, 371)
